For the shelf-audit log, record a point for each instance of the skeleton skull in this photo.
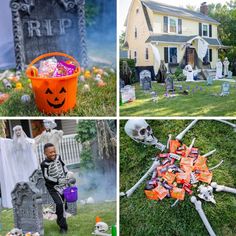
(101, 227)
(206, 193)
(140, 131)
(49, 124)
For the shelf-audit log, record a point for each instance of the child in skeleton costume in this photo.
(50, 134)
(55, 172)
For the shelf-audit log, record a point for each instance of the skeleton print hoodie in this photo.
(54, 172)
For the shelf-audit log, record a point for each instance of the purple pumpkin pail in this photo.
(71, 194)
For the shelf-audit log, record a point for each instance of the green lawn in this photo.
(197, 103)
(81, 224)
(140, 216)
(98, 102)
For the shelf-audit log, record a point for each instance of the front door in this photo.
(190, 57)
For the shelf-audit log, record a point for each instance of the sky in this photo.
(124, 7)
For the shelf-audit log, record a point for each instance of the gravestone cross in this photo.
(42, 26)
(27, 208)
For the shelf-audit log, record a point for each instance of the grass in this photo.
(81, 224)
(199, 103)
(140, 216)
(100, 101)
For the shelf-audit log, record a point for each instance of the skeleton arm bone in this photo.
(151, 169)
(222, 188)
(181, 135)
(198, 207)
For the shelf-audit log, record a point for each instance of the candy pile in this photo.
(181, 168)
(52, 68)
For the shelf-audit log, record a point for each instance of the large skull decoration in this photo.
(101, 227)
(140, 131)
(206, 193)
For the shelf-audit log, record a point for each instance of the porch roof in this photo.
(165, 38)
(177, 11)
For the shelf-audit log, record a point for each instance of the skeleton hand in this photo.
(63, 181)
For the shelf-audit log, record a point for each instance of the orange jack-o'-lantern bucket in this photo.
(54, 95)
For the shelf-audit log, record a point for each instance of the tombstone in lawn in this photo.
(145, 80)
(48, 26)
(189, 73)
(209, 80)
(225, 89)
(27, 208)
(127, 94)
(169, 84)
(226, 67)
(230, 75)
(219, 69)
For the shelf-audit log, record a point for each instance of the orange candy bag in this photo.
(177, 193)
(182, 178)
(161, 192)
(205, 176)
(169, 177)
(174, 144)
(151, 194)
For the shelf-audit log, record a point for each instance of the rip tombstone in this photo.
(145, 80)
(27, 208)
(42, 26)
(169, 82)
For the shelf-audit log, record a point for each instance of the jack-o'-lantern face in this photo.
(53, 100)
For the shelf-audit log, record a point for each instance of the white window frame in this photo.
(169, 54)
(177, 26)
(207, 29)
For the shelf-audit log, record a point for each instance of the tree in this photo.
(122, 40)
(226, 15)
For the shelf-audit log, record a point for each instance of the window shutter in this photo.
(210, 31)
(200, 29)
(166, 54)
(165, 24)
(210, 55)
(180, 26)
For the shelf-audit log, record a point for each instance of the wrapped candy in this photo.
(47, 67)
(63, 69)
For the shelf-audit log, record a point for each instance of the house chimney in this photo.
(204, 8)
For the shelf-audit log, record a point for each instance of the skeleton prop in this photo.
(50, 134)
(222, 188)
(198, 206)
(181, 135)
(206, 193)
(100, 229)
(128, 193)
(228, 123)
(141, 132)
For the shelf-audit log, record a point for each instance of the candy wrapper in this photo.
(47, 67)
(64, 69)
